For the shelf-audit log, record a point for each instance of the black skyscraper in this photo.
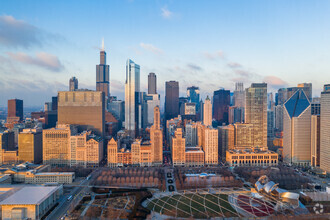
(152, 83)
(102, 75)
(171, 99)
(221, 103)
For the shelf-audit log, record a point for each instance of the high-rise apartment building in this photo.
(297, 129)
(226, 140)
(15, 109)
(73, 84)
(210, 146)
(102, 75)
(156, 139)
(239, 95)
(221, 103)
(30, 146)
(132, 97)
(171, 99)
(325, 129)
(83, 108)
(315, 140)
(256, 112)
(207, 112)
(152, 83)
(178, 148)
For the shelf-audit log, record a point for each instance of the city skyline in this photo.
(39, 54)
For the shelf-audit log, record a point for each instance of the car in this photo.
(169, 175)
(170, 181)
(171, 188)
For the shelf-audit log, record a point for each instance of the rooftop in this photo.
(54, 173)
(29, 195)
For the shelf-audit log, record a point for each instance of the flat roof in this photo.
(54, 173)
(30, 195)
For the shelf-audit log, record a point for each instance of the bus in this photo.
(88, 177)
(69, 198)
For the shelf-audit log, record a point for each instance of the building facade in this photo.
(73, 84)
(221, 103)
(102, 75)
(178, 148)
(325, 129)
(207, 112)
(152, 83)
(171, 99)
(30, 146)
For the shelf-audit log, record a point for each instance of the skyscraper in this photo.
(152, 83)
(226, 140)
(132, 96)
(256, 112)
(315, 140)
(73, 84)
(308, 89)
(156, 139)
(239, 95)
(102, 74)
(30, 146)
(207, 112)
(210, 146)
(193, 95)
(171, 99)
(221, 103)
(325, 129)
(15, 109)
(84, 108)
(297, 129)
(178, 148)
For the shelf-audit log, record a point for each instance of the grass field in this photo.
(194, 205)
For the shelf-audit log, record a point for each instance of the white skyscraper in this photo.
(325, 129)
(132, 89)
(207, 112)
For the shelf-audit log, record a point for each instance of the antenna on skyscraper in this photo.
(102, 44)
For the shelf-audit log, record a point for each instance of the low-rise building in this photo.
(251, 157)
(194, 157)
(5, 179)
(50, 177)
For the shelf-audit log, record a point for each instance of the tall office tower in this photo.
(54, 103)
(239, 95)
(7, 140)
(226, 140)
(297, 129)
(30, 146)
(221, 103)
(281, 96)
(325, 129)
(152, 83)
(83, 108)
(191, 134)
(150, 102)
(178, 148)
(308, 89)
(73, 84)
(102, 75)
(243, 136)
(270, 101)
(56, 145)
(207, 112)
(15, 109)
(182, 102)
(279, 118)
(171, 99)
(210, 146)
(112, 153)
(270, 127)
(236, 114)
(193, 95)
(156, 139)
(256, 112)
(315, 141)
(132, 95)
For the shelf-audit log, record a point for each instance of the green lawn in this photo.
(192, 205)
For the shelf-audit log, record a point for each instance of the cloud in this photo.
(167, 14)
(18, 33)
(195, 67)
(275, 82)
(213, 56)
(151, 48)
(42, 59)
(234, 65)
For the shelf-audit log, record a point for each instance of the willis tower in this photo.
(102, 75)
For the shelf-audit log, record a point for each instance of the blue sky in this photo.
(210, 44)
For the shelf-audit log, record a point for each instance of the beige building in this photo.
(251, 158)
(325, 129)
(243, 136)
(297, 129)
(156, 139)
(49, 177)
(83, 108)
(124, 157)
(210, 146)
(315, 140)
(226, 140)
(30, 146)
(112, 153)
(29, 202)
(207, 112)
(178, 148)
(194, 157)
(256, 112)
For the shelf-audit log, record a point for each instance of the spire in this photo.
(102, 49)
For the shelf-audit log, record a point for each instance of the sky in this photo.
(211, 44)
